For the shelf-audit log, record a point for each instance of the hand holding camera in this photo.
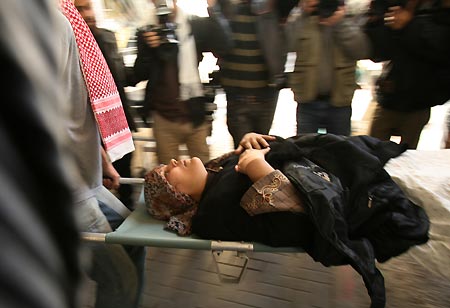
(151, 37)
(395, 14)
(397, 17)
(164, 31)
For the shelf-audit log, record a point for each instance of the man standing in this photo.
(96, 118)
(252, 73)
(328, 43)
(415, 41)
(168, 58)
(108, 45)
(39, 255)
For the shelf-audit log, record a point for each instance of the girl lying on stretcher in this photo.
(328, 194)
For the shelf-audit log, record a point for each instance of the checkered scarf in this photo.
(103, 94)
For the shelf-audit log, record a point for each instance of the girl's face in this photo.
(187, 176)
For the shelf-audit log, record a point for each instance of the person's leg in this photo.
(309, 117)
(125, 191)
(167, 138)
(196, 142)
(237, 118)
(339, 120)
(115, 213)
(412, 126)
(383, 124)
(264, 112)
(110, 266)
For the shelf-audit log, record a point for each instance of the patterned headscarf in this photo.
(164, 202)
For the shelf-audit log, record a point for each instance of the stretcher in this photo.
(141, 229)
(424, 176)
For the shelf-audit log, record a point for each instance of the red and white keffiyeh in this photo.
(103, 94)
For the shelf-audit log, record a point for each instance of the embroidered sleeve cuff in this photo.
(273, 193)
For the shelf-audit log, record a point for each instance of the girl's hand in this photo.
(253, 141)
(253, 163)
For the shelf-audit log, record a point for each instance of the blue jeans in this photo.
(118, 270)
(321, 116)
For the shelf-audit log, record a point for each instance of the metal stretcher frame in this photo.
(141, 229)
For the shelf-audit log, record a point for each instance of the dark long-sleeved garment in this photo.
(159, 66)
(355, 212)
(417, 74)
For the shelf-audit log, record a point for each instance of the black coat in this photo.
(211, 34)
(356, 217)
(417, 75)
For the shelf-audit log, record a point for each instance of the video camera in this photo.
(165, 28)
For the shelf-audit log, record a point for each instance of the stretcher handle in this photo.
(131, 181)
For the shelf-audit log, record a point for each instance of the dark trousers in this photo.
(320, 116)
(247, 113)
(125, 191)
(408, 125)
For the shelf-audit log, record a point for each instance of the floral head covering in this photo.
(165, 203)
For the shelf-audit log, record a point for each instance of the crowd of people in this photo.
(70, 92)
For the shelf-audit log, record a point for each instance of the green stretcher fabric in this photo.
(143, 230)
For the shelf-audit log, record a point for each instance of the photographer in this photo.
(414, 37)
(168, 56)
(328, 43)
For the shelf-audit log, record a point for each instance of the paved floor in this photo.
(188, 278)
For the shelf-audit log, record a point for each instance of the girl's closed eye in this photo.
(187, 176)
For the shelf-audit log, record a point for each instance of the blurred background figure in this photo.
(413, 36)
(39, 256)
(167, 57)
(123, 77)
(328, 43)
(252, 73)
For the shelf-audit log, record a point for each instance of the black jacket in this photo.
(211, 34)
(356, 214)
(417, 75)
